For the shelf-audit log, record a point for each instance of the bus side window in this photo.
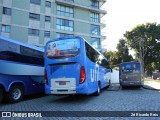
(105, 64)
(91, 53)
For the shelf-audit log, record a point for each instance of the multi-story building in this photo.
(38, 21)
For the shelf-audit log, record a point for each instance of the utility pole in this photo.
(141, 54)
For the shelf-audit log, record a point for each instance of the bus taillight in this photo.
(82, 75)
(45, 76)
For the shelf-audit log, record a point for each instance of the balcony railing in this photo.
(103, 21)
(97, 8)
(102, 2)
(103, 35)
(91, 7)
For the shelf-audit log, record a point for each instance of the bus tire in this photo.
(98, 89)
(15, 94)
(138, 86)
(1, 94)
(123, 87)
(109, 82)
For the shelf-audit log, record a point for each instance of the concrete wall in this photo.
(115, 76)
(22, 5)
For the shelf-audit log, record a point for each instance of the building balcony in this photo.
(103, 24)
(103, 36)
(100, 10)
(101, 2)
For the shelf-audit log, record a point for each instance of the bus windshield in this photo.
(130, 68)
(63, 48)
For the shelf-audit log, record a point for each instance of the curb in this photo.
(150, 88)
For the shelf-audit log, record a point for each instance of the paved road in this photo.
(122, 100)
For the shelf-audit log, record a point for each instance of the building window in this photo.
(34, 16)
(6, 28)
(69, 0)
(63, 24)
(34, 32)
(94, 17)
(95, 4)
(95, 42)
(46, 33)
(6, 11)
(60, 35)
(64, 11)
(48, 4)
(95, 30)
(47, 18)
(37, 2)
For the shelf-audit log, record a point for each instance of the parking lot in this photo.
(130, 99)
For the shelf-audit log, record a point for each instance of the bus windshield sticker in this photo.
(63, 48)
(135, 68)
(128, 66)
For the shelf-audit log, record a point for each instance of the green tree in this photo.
(123, 51)
(112, 57)
(149, 34)
(121, 55)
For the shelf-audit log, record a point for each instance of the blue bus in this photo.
(73, 66)
(130, 74)
(21, 69)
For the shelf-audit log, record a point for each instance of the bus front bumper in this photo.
(131, 83)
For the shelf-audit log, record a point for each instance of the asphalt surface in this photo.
(114, 102)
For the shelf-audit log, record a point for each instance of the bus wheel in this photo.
(1, 95)
(98, 89)
(109, 82)
(15, 94)
(138, 86)
(123, 87)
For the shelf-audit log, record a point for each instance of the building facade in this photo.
(38, 21)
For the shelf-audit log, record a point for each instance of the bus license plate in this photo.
(131, 83)
(62, 83)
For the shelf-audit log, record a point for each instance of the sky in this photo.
(123, 15)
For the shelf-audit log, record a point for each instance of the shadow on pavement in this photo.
(78, 98)
(131, 88)
(113, 87)
(25, 98)
(74, 98)
(34, 96)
